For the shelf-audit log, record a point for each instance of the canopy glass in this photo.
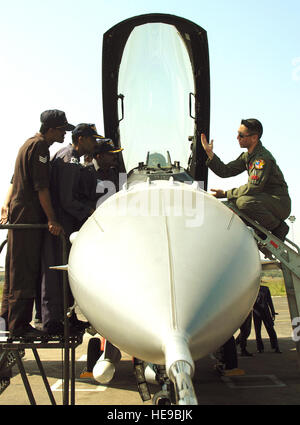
(155, 97)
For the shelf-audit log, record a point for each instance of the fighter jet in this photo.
(162, 269)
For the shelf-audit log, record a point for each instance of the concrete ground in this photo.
(270, 379)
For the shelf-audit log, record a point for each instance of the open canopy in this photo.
(156, 91)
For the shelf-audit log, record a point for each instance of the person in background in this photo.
(245, 330)
(264, 312)
(106, 163)
(227, 359)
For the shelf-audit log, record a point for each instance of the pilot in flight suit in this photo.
(265, 196)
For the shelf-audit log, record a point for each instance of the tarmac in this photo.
(270, 378)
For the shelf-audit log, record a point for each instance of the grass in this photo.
(274, 280)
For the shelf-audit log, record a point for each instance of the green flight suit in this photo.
(265, 198)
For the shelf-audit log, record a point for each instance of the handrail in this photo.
(65, 292)
(23, 226)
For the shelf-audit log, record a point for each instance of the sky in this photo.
(51, 54)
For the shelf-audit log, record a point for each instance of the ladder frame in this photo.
(67, 343)
(284, 255)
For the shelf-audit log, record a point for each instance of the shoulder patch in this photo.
(259, 164)
(43, 159)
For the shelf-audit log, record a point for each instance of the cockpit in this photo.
(156, 93)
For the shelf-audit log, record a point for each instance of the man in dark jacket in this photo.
(265, 196)
(263, 311)
(73, 189)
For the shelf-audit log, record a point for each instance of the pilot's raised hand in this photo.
(219, 193)
(208, 147)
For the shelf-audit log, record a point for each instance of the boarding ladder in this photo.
(13, 349)
(284, 255)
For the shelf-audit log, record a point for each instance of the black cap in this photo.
(54, 118)
(106, 145)
(86, 130)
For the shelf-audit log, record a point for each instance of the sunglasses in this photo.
(242, 136)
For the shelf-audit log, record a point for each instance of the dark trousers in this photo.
(245, 331)
(52, 280)
(229, 354)
(265, 318)
(37, 301)
(268, 210)
(4, 303)
(22, 277)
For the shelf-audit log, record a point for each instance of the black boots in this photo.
(281, 231)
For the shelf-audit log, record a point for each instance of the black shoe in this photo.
(281, 231)
(260, 350)
(245, 353)
(276, 350)
(27, 332)
(260, 234)
(54, 328)
(268, 254)
(78, 325)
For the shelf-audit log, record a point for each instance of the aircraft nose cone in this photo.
(140, 278)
